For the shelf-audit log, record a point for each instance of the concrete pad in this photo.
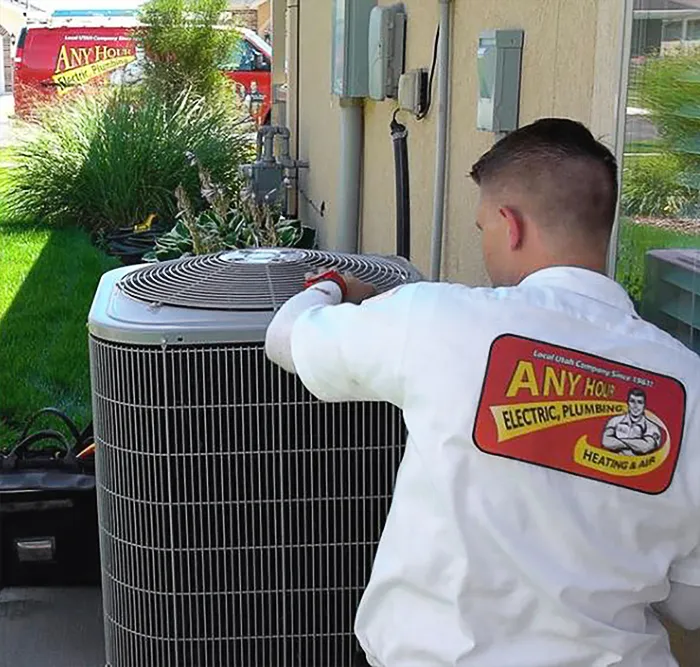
(51, 627)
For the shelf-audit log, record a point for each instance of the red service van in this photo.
(74, 49)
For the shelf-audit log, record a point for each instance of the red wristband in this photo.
(332, 276)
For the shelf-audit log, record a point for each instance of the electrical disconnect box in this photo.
(387, 35)
(413, 91)
(499, 59)
(350, 65)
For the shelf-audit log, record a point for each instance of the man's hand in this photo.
(358, 290)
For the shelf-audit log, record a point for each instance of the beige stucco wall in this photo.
(12, 21)
(11, 18)
(570, 68)
(264, 12)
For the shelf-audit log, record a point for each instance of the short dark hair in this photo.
(562, 162)
(637, 392)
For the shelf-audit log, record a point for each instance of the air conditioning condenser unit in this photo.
(238, 515)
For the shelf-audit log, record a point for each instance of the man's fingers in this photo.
(312, 274)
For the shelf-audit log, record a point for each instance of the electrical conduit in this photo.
(349, 190)
(441, 144)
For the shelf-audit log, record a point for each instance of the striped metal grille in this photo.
(253, 279)
(239, 516)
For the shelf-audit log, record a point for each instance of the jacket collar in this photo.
(582, 281)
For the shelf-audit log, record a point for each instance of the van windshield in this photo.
(21, 39)
(245, 58)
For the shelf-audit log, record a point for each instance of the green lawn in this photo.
(634, 242)
(5, 154)
(649, 146)
(48, 279)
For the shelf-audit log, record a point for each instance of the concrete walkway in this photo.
(51, 627)
(7, 108)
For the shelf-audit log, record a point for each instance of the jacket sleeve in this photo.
(355, 353)
(278, 339)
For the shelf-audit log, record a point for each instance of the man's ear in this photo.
(515, 226)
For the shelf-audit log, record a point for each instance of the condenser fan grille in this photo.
(248, 280)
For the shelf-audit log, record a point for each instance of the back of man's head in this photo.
(555, 176)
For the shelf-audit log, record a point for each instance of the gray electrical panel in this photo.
(350, 65)
(499, 59)
(387, 35)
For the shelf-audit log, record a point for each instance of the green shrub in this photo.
(187, 41)
(651, 187)
(669, 88)
(108, 160)
(226, 221)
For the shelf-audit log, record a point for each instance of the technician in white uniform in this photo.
(515, 537)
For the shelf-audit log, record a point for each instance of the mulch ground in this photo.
(679, 225)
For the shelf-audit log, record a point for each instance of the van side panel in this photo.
(54, 62)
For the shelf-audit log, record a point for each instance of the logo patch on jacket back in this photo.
(580, 414)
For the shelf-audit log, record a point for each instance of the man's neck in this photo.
(547, 255)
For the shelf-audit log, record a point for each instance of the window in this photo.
(693, 33)
(672, 31)
(657, 251)
(246, 58)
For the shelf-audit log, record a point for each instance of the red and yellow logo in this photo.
(76, 66)
(580, 414)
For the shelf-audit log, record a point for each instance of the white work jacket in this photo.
(550, 489)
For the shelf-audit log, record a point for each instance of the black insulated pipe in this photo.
(399, 137)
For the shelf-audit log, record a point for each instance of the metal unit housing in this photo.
(238, 515)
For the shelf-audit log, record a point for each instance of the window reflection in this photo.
(658, 248)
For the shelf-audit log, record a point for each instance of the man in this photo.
(513, 539)
(632, 433)
(253, 101)
(132, 72)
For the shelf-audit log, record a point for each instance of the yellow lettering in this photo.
(523, 378)
(551, 381)
(599, 389)
(84, 54)
(590, 387)
(573, 381)
(62, 59)
(75, 58)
